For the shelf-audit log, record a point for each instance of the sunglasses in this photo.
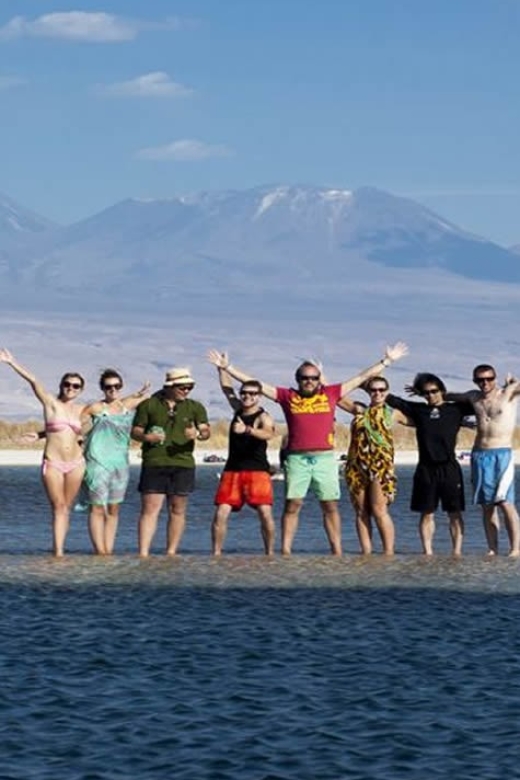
(249, 392)
(427, 393)
(72, 385)
(117, 386)
(184, 387)
(377, 389)
(309, 378)
(479, 380)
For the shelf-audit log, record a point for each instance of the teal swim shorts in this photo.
(317, 471)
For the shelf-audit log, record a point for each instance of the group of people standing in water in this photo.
(89, 445)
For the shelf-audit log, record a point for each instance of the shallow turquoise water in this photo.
(244, 667)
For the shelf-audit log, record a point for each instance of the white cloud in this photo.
(9, 82)
(156, 85)
(98, 27)
(185, 150)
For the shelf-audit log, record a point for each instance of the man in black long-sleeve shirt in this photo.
(438, 476)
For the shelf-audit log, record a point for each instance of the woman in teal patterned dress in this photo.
(106, 455)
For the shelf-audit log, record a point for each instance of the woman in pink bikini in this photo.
(63, 463)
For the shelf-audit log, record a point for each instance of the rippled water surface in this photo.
(244, 667)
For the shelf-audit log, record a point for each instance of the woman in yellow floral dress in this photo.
(369, 471)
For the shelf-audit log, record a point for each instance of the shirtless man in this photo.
(311, 462)
(492, 465)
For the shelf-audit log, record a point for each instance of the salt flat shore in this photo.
(33, 457)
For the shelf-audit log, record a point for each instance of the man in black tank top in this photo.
(246, 478)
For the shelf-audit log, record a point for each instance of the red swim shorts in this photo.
(237, 488)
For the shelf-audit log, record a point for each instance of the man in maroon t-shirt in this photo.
(311, 463)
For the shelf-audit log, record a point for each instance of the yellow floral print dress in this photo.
(371, 452)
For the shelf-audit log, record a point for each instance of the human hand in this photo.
(27, 438)
(239, 426)
(410, 390)
(218, 359)
(145, 389)
(396, 351)
(156, 436)
(191, 430)
(5, 356)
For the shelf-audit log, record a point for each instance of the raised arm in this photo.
(221, 360)
(132, 401)
(511, 387)
(469, 395)
(226, 385)
(392, 353)
(38, 389)
(350, 406)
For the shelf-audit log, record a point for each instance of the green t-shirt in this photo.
(176, 450)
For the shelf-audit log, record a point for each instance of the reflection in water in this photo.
(253, 668)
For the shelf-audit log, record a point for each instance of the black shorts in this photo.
(440, 482)
(167, 480)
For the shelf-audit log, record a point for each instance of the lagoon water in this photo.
(244, 667)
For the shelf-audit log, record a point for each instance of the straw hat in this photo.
(178, 376)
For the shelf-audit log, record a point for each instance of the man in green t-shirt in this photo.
(168, 424)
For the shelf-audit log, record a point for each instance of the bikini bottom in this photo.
(63, 466)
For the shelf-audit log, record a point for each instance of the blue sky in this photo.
(105, 100)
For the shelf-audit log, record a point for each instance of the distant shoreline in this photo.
(29, 457)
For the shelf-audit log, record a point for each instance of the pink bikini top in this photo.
(55, 426)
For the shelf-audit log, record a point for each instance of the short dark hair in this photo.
(252, 383)
(306, 364)
(481, 368)
(425, 378)
(109, 373)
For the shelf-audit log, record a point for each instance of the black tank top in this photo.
(246, 452)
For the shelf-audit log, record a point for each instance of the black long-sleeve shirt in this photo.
(436, 427)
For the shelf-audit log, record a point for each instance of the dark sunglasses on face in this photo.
(117, 386)
(377, 389)
(249, 392)
(309, 378)
(426, 393)
(480, 380)
(184, 387)
(72, 385)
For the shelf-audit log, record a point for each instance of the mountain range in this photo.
(273, 272)
(153, 255)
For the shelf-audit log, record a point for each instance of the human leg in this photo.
(491, 527)
(378, 503)
(425, 499)
(96, 528)
(290, 518)
(451, 492)
(359, 502)
(427, 531)
(456, 531)
(151, 505)
(181, 482)
(176, 522)
(111, 524)
(267, 527)
(332, 525)
(325, 484)
(298, 475)
(219, 528)
(512, 525)
(62, 489)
